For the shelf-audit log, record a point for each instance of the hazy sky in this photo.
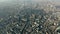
(31, 0)
(47, 0)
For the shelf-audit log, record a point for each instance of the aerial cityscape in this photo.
(29, 16)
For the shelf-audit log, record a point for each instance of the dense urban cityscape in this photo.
(29, 18)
